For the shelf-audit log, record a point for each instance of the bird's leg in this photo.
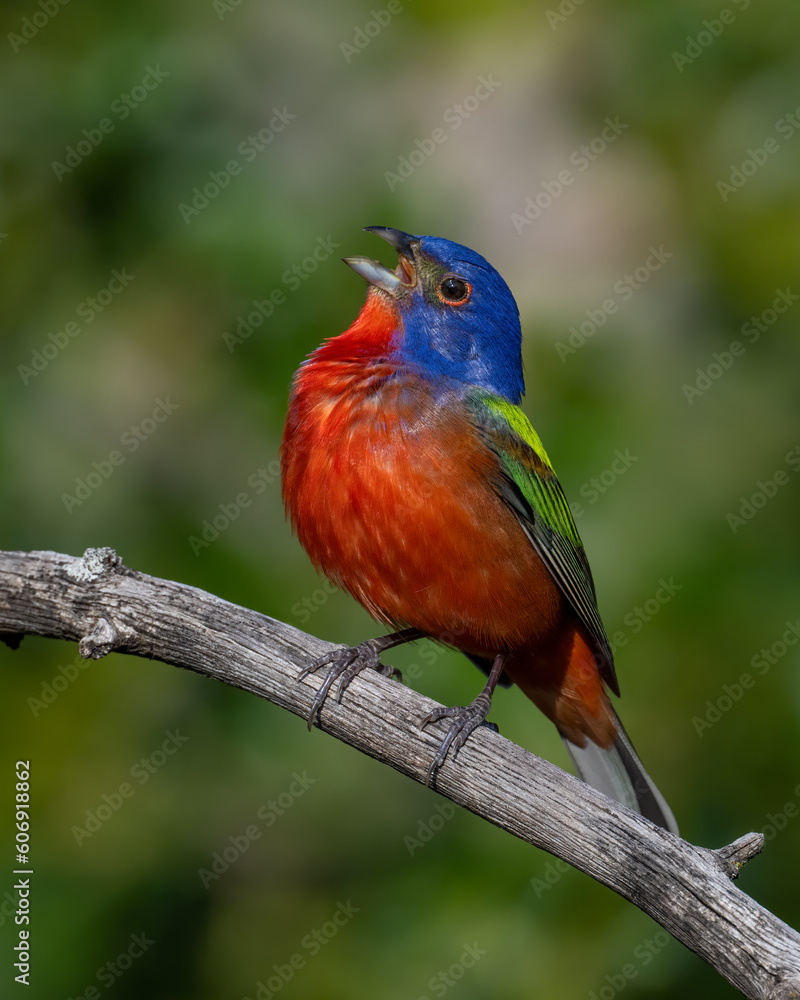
(466, 719)
(347, 662)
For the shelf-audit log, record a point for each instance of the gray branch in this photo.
(104, 606)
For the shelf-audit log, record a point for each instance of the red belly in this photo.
(391, 496)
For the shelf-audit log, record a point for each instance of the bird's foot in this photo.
(345, 663)
(466, 720)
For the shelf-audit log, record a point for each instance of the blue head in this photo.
(457, 318)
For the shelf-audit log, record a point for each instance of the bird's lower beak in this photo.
(404, 276)
(375, 273)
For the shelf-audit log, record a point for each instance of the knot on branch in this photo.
(787, 989)
(100, 641)
(93, 564)
(733, 857)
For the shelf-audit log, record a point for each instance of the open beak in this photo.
(377, 274)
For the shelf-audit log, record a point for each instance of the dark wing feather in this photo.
(527, 483)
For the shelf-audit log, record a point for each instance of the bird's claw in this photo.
(466, 720)
(345, 663)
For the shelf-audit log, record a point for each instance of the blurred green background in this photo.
(114, 120)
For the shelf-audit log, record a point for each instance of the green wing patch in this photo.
(528, 484)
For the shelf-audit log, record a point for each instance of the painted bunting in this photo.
(414, 480)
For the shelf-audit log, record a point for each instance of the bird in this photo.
(414, 481)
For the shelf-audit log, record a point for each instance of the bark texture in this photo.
(104, 606)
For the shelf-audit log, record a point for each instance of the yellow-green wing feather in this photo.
(528, 484)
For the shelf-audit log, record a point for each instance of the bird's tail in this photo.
(575, 699)
(617, 772)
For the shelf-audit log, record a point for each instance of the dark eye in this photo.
(454, 289)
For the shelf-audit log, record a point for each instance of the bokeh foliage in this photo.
(696, 100)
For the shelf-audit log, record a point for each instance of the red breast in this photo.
(388, 487)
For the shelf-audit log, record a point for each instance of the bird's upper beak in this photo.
(377, 274)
